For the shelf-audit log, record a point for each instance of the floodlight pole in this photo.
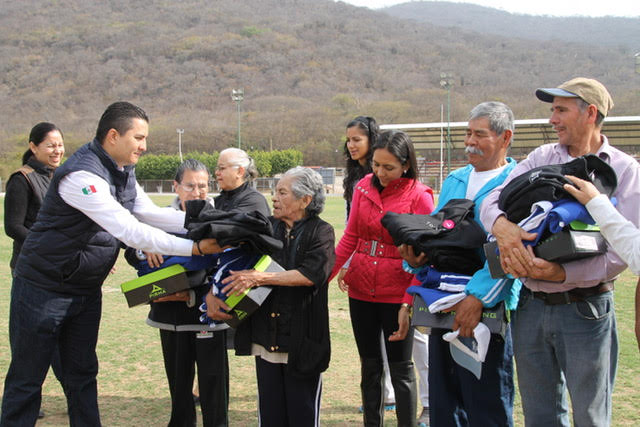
(238, 96)
(446, 81)
(180, 132)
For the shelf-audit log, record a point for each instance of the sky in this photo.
(629, 8)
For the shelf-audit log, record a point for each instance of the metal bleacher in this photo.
(430, 141)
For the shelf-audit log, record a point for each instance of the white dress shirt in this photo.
(141, 229)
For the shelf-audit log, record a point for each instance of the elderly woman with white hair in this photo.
(234, 174)
(289, 333)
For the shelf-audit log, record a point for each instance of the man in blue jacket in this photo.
(456, 396)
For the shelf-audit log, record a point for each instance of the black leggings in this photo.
(367, 320)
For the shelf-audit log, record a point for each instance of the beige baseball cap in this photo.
(589, 90)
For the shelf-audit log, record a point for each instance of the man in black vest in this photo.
(92, 205)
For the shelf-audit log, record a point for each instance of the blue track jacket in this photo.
(482, 286)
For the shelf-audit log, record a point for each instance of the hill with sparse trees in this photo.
(306, 66)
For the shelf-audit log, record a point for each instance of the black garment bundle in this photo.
(451, 238)
(546, 183)
(251, 229)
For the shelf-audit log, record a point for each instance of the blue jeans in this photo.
(41, 322)
(570, 347)
(458, 398)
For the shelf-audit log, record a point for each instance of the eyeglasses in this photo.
(202, 188)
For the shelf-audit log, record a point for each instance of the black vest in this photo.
(38, 176)
(65, 250)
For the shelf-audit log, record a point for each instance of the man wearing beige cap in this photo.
(564, 330)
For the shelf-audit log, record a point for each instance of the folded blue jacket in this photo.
(564, 212)
(231, 260)
(432, 278)
(235, 259)
(436, 299)
(191, 263)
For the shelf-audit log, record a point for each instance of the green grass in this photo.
(133, 388)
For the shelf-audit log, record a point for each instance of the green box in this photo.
(242, 306)
(155, 285)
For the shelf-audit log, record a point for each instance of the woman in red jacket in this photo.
(375, 280)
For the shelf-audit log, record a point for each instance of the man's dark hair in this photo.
(190, 165)
(119, 116)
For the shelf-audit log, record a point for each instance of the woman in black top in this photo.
(234, 175)
(289, 333)
(28, 185)
(25, 191)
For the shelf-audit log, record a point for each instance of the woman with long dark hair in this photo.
(375, 279)
(362, 133)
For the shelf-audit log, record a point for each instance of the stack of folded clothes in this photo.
(439, 290)
(450, 238)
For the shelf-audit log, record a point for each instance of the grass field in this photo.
(133, 389)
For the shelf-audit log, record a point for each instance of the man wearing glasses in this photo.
(186, 342)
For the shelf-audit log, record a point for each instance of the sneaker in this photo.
(423, 419)
(40, 414)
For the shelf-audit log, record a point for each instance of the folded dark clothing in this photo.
(546, 183)
(455, 260)
(450, 238)
(252, 229)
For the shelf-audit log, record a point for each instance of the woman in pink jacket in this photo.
(375, 280)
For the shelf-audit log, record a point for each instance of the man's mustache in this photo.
(473, 150)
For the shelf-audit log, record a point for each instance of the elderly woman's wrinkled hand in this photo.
(215, 306)
(240, 281)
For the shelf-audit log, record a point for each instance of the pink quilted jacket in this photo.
(375, 272)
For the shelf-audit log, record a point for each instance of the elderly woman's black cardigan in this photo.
(296, 319)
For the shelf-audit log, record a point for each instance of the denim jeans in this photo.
(570, 347)
(41, 321)
(457, 398)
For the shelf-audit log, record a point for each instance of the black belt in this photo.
(574, 295)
